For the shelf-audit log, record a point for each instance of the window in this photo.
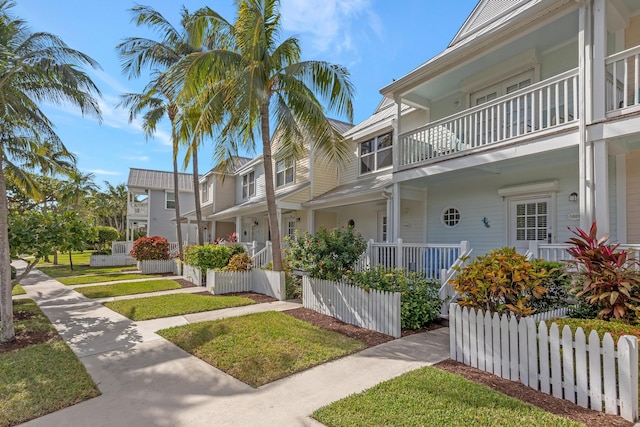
(376, 153)
(531, 221)
(284, 172)
(291, 227)
(205, 191)
(451, 217)
(248, 185)
(169, 200)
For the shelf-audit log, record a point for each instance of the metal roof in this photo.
(361, 187)
(385, 112)
(340, 126)
(158, 180)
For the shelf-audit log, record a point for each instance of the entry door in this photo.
(530, 220)
(382, 226)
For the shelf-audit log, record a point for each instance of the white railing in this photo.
(375, 310)
(426, 258)
(262, 258)
(587, 372)
(250, 247)
(121, 248)
(173, 249)
(538, 107)
(558, 251)
(271, 283)
(111, 260)
(138, 209)
(446, 292)
(623, 79)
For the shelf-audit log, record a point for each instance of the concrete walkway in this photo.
(147, 381)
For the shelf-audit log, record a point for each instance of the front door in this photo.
(530, 220)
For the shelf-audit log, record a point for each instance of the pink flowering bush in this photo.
(328, 254)
(149, 248)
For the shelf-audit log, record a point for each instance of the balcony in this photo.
(545, 106)
(623, 68)
(138, 210)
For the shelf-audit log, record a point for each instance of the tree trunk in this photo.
(196, 192)
(70, 261)
(55, 256)
(269, 188)
(176, 190)
(7, 333)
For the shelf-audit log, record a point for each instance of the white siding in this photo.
(324, 176)
(412, 221)
(561, 59)
(325, 219)
(224, 192)
(365, 216)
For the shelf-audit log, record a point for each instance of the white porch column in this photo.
(395, 217)
(239, 235)
(311, 217)
(599, 55)
(188, 229)
(621, 198)
(585, 92)
(214, 232)
(601, 185)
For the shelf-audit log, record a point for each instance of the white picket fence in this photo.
(584, 372)
(266, 282)
(157, 266)
(192, 274)
(375, 310)
(111, 260)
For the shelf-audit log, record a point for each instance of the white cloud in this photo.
(137, 158)
(338, 26)
(103, 172)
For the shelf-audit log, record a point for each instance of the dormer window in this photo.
(376, 153)
(284, 172)
(248, 185)
(205, 191)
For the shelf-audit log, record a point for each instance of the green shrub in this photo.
(105, 251)
(419, 300)
(214, 257)
(557, 285)
(240, 262)
(237, 249)
(329, 254)
(103, 236)
(502, 280)
(293, 286)
(150, 248)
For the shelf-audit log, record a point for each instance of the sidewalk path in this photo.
(147, 381)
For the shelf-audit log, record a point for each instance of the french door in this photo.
(530, 220)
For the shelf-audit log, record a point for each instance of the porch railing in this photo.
(623, 79)
(544, 105)
(558, 251)
(250, 247)
(138, 209)
(263, 257)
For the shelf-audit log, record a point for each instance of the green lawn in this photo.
(99, 278)
(30, 387)
(173, 305)
(262, 347)
(433, 397)
(78, 270)
(18, 290)
(128, 288)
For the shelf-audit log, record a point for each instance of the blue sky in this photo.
(377, 40)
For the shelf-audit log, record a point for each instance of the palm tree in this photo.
(78, 186)
(34, 67)
(261, 88)
(157, 99)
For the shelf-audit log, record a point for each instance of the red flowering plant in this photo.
(328, 254)
(607, 277)
(150, 248)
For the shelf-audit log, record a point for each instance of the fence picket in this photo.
(505, 347)
(497, 349)
(556, 367)
(488, 342)
(480, 341)
(523, 366)
(595, 372)
(514, 354)
(545, 373)
(582, 389)
(532, 356)
(567, 365)
(609, 375)
(459, 346)
(465, 334)
(453, 325)
(628, 382)
(473, 339)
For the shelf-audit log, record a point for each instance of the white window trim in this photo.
(284, 171)
(205, 191)
(166, 200)
(374, 154)
(248, 185)
(442, 217)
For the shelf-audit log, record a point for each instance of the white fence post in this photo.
(400, 255)
(533, 249)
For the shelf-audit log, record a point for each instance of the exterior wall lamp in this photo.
(573, 197)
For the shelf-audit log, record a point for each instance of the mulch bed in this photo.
(258, 298)
(184, 283)
(544, 401)
(26, 339)
(370, 338)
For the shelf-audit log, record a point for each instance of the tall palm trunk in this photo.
(7, 333)
(196, 191)
(269, 189)
(176, 184)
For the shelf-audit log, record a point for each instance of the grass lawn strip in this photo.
(128, 288)
(173, 305)
(262, 347)
(112, 277)
(40, 378)
(432, 397)
(78, 270)
(18, 290)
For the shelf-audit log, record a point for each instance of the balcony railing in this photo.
(544, 105)
(138, 209)
(623, 79)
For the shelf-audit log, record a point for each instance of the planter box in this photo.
(266, 282)
(157, 266)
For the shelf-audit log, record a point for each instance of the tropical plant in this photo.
(606, 277)
(36, 67)
(328, 254)
(214, 257)
(150, 248)
(157, 99)
(419, 298)
(557, 284)
(252, 86)
(240, 262)
(502, 280)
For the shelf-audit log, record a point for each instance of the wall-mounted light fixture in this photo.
(573, 197)
(298, 219)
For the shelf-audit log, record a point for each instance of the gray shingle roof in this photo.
(158, 180)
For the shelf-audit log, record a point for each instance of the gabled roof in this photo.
(345, 193)
(382, 117)
(158, 180)
(340, 126)
(485, 12)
